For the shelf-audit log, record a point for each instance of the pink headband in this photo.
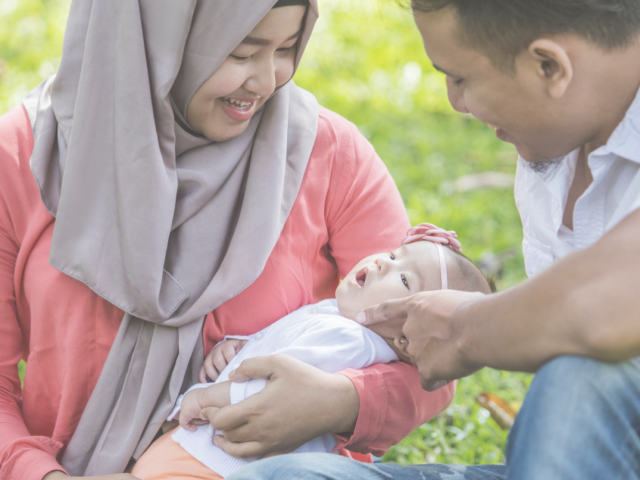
(431, 233)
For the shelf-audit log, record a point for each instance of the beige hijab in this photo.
(160, 222)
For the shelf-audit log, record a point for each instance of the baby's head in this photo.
(421, 264)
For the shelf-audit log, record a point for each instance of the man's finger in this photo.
(390, 329)
(390, 310)
(256, 367)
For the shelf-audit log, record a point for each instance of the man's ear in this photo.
(553, 65)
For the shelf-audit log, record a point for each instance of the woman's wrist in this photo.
(348, 406)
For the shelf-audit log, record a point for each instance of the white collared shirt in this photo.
(541, 197)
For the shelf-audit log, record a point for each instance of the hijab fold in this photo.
(157, 220)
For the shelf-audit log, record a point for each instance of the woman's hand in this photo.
(299, 403)
(218, 358)
(58, 475)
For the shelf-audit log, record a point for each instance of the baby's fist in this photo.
(218, 358)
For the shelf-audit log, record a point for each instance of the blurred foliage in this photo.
(366, 62)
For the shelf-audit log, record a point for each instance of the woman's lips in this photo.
(239, 109)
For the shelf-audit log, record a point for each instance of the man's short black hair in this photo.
(503, 28)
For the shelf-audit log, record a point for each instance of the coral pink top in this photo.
(348, 207)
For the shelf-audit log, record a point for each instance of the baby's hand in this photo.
(196, 403)
(190, 409)
(218, 358)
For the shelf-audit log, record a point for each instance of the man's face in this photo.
(516, 104)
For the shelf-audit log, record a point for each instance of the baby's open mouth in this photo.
(361, 276)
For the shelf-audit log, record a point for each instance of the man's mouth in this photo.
(361, 276)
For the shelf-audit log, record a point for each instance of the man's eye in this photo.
(404, 281)
(392, 255)
(458, 82)
(239, 58)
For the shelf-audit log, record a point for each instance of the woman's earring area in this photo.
(403, 341)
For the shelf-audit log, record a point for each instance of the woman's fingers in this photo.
(256, 367)
(241, 450)
(232, 416)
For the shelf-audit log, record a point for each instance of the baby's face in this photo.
(403, 272)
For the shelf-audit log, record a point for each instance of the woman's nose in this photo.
(263, 80)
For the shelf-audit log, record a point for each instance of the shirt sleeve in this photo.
(366, 215)
(22, 456)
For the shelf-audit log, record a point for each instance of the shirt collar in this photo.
(625, 139)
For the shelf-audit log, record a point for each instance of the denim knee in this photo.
(576, 410)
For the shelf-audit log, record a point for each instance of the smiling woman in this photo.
(264, 61)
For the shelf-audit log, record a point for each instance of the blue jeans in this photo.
(580, 420)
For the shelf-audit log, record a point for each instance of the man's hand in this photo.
(300, 402)
(433, 324)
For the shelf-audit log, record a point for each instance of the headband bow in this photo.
(431, 233)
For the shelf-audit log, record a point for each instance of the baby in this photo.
(323, 335)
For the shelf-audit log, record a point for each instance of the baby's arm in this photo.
(218, 358)
(216, 395)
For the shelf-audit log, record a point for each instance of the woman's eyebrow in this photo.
(264, 42)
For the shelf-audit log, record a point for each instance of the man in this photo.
(559, 79)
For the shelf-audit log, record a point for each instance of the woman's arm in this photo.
(22, 455)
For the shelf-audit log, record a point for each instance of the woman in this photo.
(171, 143)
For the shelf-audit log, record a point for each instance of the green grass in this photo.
(366, 62)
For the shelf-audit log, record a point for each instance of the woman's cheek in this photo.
(228, 79)
(284, 70)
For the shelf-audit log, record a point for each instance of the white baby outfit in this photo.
(317, 335)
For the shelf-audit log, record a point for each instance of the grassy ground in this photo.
(366, 62)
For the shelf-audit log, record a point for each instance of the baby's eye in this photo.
(392, 255)
(404, 281)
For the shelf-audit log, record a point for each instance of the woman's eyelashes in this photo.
(244, 58)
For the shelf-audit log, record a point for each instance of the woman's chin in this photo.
(224, 132)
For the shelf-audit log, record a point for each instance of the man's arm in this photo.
(586, 304)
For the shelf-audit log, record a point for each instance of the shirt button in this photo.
(259, 336)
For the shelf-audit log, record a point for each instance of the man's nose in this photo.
(456, 96)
